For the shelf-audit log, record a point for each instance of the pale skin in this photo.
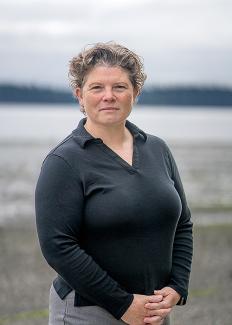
(107, 96)
(151, 309)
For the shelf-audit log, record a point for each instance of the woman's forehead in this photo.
(107, 73)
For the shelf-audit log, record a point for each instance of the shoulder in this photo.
(62, 162)
(67, 150)
(156, 142)
(161, 149)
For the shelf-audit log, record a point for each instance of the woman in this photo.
(112, 217)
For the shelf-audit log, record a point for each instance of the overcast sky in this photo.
(181, 41)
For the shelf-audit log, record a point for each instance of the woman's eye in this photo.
(97, 87)
(120, 87)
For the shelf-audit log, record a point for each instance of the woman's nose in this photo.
(108, 95)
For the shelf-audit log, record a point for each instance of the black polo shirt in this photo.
(110, 229)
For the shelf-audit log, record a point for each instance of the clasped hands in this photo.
(152, 309)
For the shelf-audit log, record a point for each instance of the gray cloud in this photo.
(180, 40)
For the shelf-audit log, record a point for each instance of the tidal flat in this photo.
(205, 170)
(26, 278)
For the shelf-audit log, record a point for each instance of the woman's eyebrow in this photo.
(100, 83)
(94, 83)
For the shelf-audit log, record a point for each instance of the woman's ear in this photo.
(78, 95)
(135, 96)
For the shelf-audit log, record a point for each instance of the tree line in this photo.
(153, 95)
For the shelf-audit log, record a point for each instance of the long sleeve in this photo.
(183, 241)
(59, 203)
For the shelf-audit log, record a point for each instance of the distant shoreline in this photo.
(182, 96)
(74, 105)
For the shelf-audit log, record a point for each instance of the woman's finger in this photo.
(155, 320)
(160, 312)
(155, 298)
(158, 305)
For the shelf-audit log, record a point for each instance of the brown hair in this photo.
(109, 54)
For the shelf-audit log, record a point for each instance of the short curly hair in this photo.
(108, 54)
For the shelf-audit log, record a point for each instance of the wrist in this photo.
(181, 301)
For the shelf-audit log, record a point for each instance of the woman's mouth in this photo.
(109, 109)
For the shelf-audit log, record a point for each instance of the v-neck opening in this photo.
(135, 159)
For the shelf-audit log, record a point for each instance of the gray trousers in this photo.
(63, 312)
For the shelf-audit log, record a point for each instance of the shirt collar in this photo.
(81, 136)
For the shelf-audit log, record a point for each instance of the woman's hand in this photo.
(159, 310)
(136, 312)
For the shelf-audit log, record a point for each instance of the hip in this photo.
(63, 311)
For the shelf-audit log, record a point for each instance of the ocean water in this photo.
(54, 122)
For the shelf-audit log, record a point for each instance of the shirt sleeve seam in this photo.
(67, 163)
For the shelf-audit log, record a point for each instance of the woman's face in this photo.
(107, 95)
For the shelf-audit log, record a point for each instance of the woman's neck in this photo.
(112, 135)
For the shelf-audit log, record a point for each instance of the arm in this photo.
(177, 290)
(183, 241)
(59, 203)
